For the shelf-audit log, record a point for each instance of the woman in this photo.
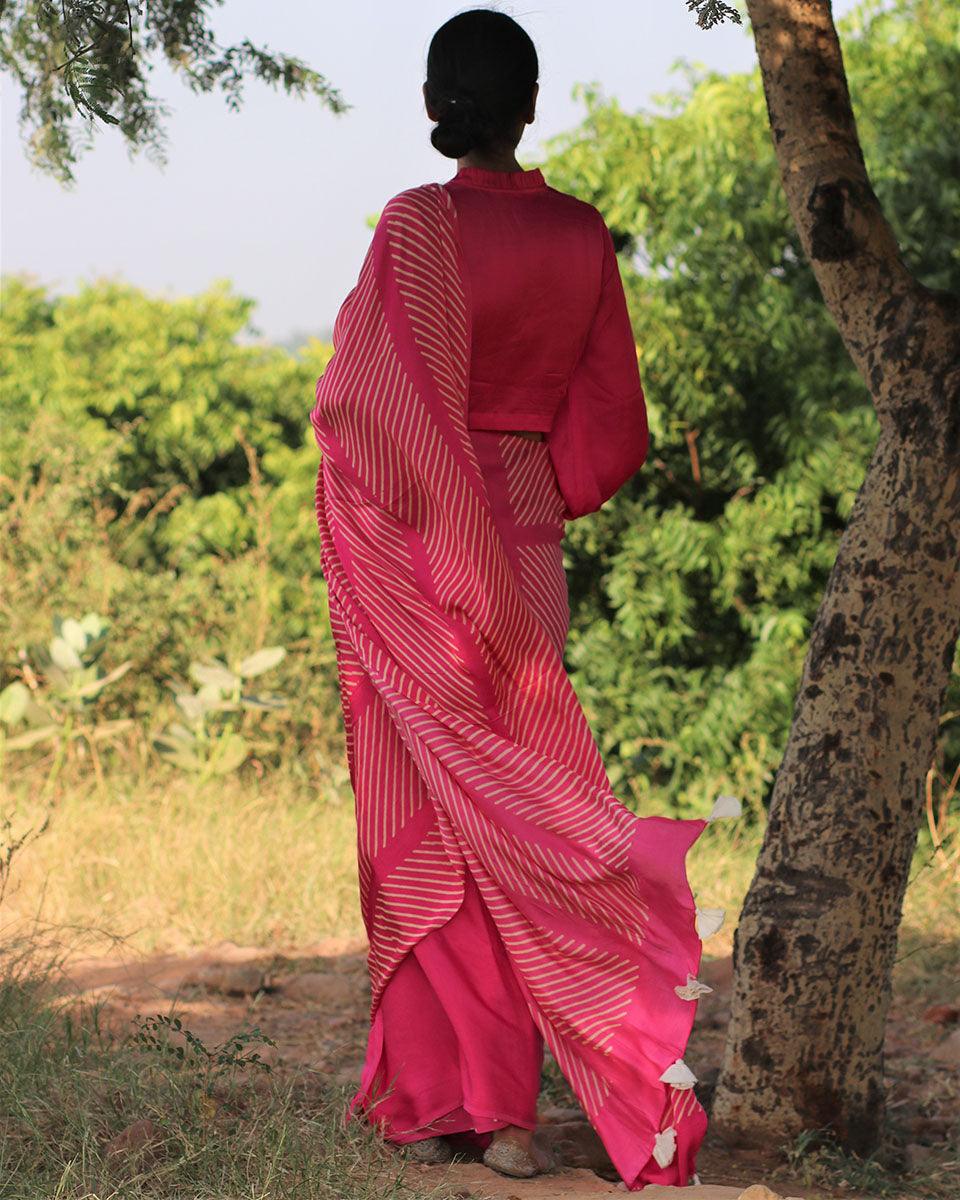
(483, 390)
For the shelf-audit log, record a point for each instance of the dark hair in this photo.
(481, 69)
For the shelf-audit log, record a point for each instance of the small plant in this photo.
(201, 742)
(62, 682)
(819, 1160)
(11, 845)
(66, 678)
(168, 1037)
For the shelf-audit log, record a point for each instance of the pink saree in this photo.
(482, 801)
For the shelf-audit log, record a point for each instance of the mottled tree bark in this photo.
(814, 949)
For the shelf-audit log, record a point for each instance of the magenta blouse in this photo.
(552, 346)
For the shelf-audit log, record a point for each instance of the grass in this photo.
(66, 1090)
(160, 865)
(166, 866)
(819, 1162)
(170, 867)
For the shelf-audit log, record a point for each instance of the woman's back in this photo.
(542, 276)
(510, 898)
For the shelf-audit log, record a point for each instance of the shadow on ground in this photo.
(313, 1003)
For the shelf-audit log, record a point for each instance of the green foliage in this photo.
(161, 388)
(903, 59)
(694, 591)
(712, 12)
(161, 474)
(220, 1121)
(168, 1036)
(69, 543)
(91, 59)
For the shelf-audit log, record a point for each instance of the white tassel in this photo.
(725, 806)
(693, 989)
(665, 1146)
(679, 1075)
(694, 1180)
(708, 921)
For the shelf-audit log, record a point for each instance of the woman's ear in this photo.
(426, 103)
(532, 111)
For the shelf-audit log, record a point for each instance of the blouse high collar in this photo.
(507, 180)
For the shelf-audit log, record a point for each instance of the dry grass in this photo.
(71, 1101)
(166, 865)
(172, 867)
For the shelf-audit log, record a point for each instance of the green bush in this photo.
(694, 592)
(159, 473)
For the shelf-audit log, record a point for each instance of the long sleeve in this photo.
(599, 437)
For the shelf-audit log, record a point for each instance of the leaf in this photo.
(64, 655)
(24, 740)
(262, 703)
(93, 625)
(175, 754)
(213, 675)
(229, 754)
(110, 729)
(13, 702)
(72, 631)
(176, 730)
(211, 699)
(262, 661)
(97, 685)
(191, 706)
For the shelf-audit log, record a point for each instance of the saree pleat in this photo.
(453, 1048)
(470, 756)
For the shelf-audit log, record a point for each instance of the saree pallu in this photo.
(474, 770)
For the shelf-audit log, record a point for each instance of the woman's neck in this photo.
(489, 162)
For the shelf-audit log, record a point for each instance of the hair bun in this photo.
(461, 125)
(457, 109)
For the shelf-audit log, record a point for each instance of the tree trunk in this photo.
(814, 949)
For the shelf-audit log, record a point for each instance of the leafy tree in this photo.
(168, 376)
(191, 530)
(695, 590)
(90, 59)
(878, 503)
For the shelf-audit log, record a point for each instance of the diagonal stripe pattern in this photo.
(467, 746)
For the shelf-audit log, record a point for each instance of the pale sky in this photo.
(275, 197)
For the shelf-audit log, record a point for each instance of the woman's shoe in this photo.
(510, 1158)
(430, 1150)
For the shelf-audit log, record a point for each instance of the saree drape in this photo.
(469, 753)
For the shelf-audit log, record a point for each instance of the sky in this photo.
(275, 198)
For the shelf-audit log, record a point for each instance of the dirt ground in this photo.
(314, 1002)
